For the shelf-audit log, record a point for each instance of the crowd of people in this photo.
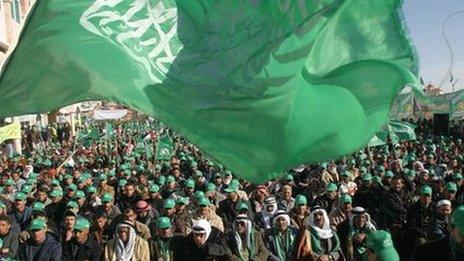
(116, 201)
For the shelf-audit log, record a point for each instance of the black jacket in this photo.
(49, 250)
(215, 247)
(437, 250)
(90, 250)
(418, 219)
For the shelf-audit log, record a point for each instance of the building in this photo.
(12, 16)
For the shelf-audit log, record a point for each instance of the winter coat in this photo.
(260, 251)
(49, 250)
(141, 250)
(215, 247)
(418, 218)
(437, 250)
(10, 242)
(90, 250)
(271, 237)
(437, 229)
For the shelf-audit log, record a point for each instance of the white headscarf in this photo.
(325, 232)
(281, 214)
(125, 252)
(360, 211)
(249, 227)
(202, 224)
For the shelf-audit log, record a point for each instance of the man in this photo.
(365, 194)
(181, 218)
(130, 197)
(245, 242)
(327, 199)
(263, 219)
(55, 209)
(353, 233)
(341, 212)
(380, 247)
(228, 208)
(324, 240)
(394, 209)
(66, 228)
(204, 212)
(130, 217)
(154, 197)
(300, 212)
(205, 242)
(145, 213)
(160, 244)
(101, 230)
(448, 248)
(281, 239)
(169, 208)
(108, 207)
(21, 212)
(438, 226)
(41, 245)
(82, 246)
(286, 201)
(126, 245)
(418, 218)
(9, 248)
(103, 186)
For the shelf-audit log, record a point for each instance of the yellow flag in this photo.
(11, 131)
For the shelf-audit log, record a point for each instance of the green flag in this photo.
(258, 85)
(164, 148)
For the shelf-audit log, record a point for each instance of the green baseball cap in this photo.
(198, 174)
(163, 223)
(231, 188)
(389, 174)
(182, 201)
(457, 176)
(67, 176)
(289, 177)
(103, 177)
(169, 203)
(82, 224)
(345, 198)
(457, 219)
(381, 242)
(154, 188)
(37, 224)
(55, 182)
(210, 187)
(9, 182)
(300, 200)
(20, 196)
(72, 204)
(426, 190)
(122, 182)
(107, 197)
(161, 180)
(190, 183)
(170, 179)
(451, 186)
(242, 205)
(367, 177)
(199, 194)
(346, 173)
(331, 187)
(112, 173)
(377, 180)
(38, 206)
(56, 193)
(204, 202)
(26, 189)
(158, 167)
(79, 194)
(2, 205)
(92, 189)
(72, 187)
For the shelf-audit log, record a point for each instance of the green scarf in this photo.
(316, 242)
(164, 249)
(283, 244)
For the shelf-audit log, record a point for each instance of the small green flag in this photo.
(258, 85)
(164, 148)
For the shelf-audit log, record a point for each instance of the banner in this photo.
(11, 131)
(101, 115)
(164, 148)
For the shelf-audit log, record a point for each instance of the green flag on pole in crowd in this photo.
(258, 85)
(164, 148)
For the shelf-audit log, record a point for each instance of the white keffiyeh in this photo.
(124, 252)
(325, 232)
